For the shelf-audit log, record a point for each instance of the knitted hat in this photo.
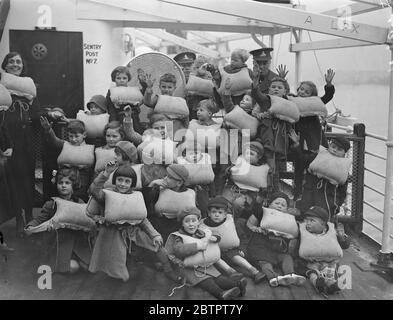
(317, 212)
(279, 194)
(100, 101)
(342, 143)
(177, 171)
(188, 211)
(218, 202)
(209, 105)
(125, 171)
(256, 146)
(129, 149)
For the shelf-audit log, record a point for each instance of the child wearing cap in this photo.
(74, 152)
(321, 249)
(97, 105)
(110, 249)
(269, 247)
(222, 224)
(321, 189)
(168, 196)
(194, 252)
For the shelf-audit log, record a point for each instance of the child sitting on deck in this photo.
(124, 222)
(321, 247)
(194, 251)
(272, 229)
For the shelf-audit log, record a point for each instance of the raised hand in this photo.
(110, 167)
(158, 241)
(227, 87)
(282, 71)
(293, 136)
(141, 75)
(45, 123)
(256, 71)
(8, 153)
(149, 81)
(329, 75)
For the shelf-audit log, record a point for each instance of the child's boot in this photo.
(230, 294)
(258, 277)
(242, 284)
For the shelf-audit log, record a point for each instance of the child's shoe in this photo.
(320, 285)
(274, 282)
(285, 280)
(333, 288)
(259, 277)
(236, 276)
(230, 294)
(297, 280)
(242, 284)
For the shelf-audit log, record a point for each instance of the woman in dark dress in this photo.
(18, 121)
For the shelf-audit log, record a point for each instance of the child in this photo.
(190, 248)
(110, 249)
(168, 196)
(97, 105)
(167, 87)
(269, 249)
(121, 76)
(319, 191)
(74, 152)
(321, 247)
(71, 248)
(221, 223)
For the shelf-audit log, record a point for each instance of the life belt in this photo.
(199, 86)
(227, 232)
(332, 168)
(171, 106)
(240, 119)
(319, 247)
(157, 151)
(82, 155)
(200, 172)
(240, 81)
(250, 177)
(124, 208)
(284, 109)
(206, 136)
(138, 170)
(125, 95)
(71, 215)
(94, 124)
(171, 202)
(283, 224)
(309, 106)
(204, 258)
(5, 98)
(19, 86)
(103, 156)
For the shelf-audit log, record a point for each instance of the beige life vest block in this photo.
(199, 86)
(94, 124)
(19, 86)
(240, 81)
(204, 258)
(200, 172)
(206, 136)
(157, 151)
(309, 106)
(284, 109)
(171, 202)
(240, 119)
(332, 168)
(82, 155)
(124, 208)
(126, 95)
(319, 247)
(250, 177)
(138, 170)
(172, 106)
(227, 232)
(5, 98)
(280, 223)
(103, 156)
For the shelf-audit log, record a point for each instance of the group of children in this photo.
(210, 220)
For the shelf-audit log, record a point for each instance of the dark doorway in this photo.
(55, 62)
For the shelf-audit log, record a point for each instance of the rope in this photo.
(184, 284)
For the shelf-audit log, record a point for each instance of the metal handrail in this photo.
(372, 206)
(376, 136)
(375, 172)
(376, 155)
(376, 227)
(375, 190)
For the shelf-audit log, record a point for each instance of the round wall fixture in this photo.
(39, 51)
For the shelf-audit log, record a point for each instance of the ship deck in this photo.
(19, 277)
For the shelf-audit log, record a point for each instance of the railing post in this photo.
(359, 130)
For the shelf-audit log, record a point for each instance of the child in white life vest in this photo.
(321, 247)
(201, 174)
(131, 225)
(74, 152)
(96, 106)
(168, 196)
(194, 252)
(69, 249)
(222, 224)
(269, 246)
(174, 108)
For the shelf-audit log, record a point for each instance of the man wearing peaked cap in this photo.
(263, 59)
(185, 61)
